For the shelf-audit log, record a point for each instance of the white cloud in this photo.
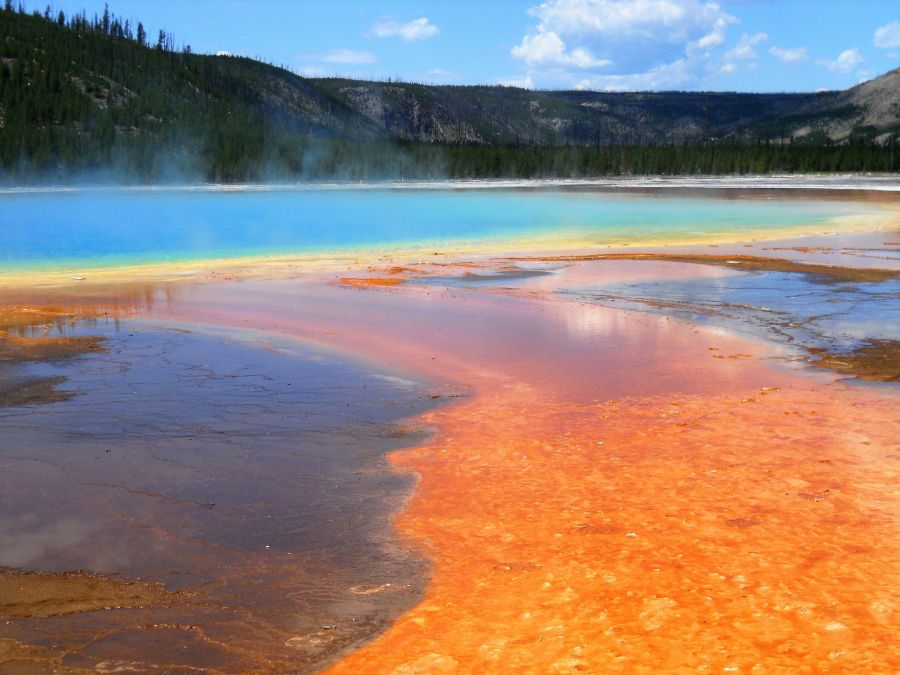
(846, 61)
(629, 16)
(312, 71)
(727, 69)
(637, 43)
(887, 36)
(717, 35)
(744, 49)
(525, 82)
(347, 56)
(334, 62)
(678, 23)
(790, 55)
(668, 76)
(549, 48)
(223, 53)
(410, 31)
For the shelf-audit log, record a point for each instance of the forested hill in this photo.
(99, 98)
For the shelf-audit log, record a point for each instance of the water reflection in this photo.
(788, 307)
(244, 469)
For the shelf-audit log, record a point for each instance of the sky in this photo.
(613, 45)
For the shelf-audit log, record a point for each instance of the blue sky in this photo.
(736, 45)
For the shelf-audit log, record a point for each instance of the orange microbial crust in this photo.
(742, 533)
(363, 282)
(748, 525)
(616, 492)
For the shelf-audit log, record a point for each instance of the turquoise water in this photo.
(94, 228)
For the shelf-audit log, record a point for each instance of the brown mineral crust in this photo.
(40, 595)
(28, 391)
(17, 317)
(19, 324)
(16, 347)
(17, 658)
(876, 360)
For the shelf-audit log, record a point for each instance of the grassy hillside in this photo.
(95, 98)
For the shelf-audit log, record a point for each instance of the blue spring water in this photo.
(41, 230)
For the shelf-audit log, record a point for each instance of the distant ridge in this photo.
(495, 114)
(81, 97)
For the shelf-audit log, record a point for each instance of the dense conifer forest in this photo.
(96, 98)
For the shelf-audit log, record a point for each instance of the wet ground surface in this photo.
(835, 318)
(844, 318)
(240, 478)
(615, 490)
(626, 491)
